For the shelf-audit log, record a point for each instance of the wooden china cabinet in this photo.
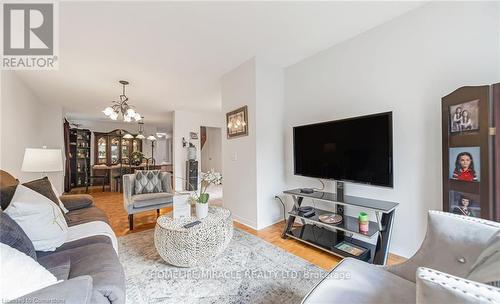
(110, 148)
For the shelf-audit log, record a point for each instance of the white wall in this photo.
(161, 151)
(27, 122)
(270, 142)
(211, 153)
(184, 123)
(404, 66)
(253, 164)
(239, 159)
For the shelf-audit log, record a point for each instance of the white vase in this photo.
(201, 210)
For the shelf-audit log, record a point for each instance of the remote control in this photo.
(189, 225)
(305, 209)
(307, 190)
(308, 214)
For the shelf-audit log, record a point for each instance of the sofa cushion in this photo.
(39, 217)
(99, 260)
(85, 215)
(151, 199)
(75, 291)
(13, 235)
(21, 274)
(58, 264)
(354, 281)
(96, 239)
(148, 181)
(486, 267)
(77, 201)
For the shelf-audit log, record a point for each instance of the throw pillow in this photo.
(148, 181)
(485, 269)
(6, 194)
(39, 217)
(45, 188)
(59, 202)
(13, 235)
(21, 274)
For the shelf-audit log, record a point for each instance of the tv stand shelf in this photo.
(325, 236)
(325, 239)
(349, 224)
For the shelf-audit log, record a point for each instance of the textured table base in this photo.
(197, 245)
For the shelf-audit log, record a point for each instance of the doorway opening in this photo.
(211, 158)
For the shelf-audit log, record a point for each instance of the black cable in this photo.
(284, 208)
(322, 185)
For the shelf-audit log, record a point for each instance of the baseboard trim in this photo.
(244, 222)
(273, 223)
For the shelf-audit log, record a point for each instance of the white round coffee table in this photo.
(198, 245)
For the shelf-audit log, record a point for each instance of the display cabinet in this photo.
(79, 142)
(111, 148)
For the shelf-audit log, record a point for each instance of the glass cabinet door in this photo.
(125, 148)
(115, 150)
(136, 145)
(102, 150)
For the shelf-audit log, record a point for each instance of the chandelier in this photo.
(122, 108)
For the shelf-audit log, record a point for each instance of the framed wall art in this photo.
(464, 117)
(465, 164)
(237, 122)
(463, 203)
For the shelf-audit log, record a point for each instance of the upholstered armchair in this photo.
(135, 203)
(437, 273)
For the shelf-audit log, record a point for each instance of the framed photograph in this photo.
(465, 204)
(465, 164)
(351, 248)
(237, 123)
(464, 117)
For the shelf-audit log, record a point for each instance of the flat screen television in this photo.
(355, 149)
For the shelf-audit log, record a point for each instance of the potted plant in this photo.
(137, 158)
(201, 199)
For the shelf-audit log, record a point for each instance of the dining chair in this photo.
(99, 177)
(125, 168)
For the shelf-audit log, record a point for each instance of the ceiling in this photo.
(174, 53)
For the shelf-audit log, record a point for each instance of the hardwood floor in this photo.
(112, 204)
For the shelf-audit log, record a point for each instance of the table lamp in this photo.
(42, 160)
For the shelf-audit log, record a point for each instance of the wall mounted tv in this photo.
(355, 149)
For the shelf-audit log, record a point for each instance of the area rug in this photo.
(250, 270)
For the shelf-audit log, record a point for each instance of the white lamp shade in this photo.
(42, 160)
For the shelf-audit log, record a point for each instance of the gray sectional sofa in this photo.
(89, 267)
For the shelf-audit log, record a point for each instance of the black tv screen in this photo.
(355, 149)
